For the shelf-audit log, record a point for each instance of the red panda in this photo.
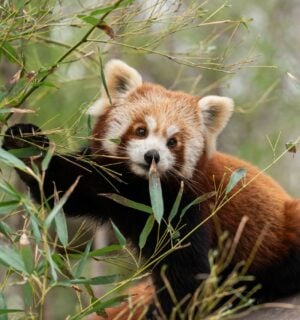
(178, 132)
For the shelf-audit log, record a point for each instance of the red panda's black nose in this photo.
(151, 154)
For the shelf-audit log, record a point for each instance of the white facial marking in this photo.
(151, 123)
(98, 108)
(172, 130)
(193, 150)
(137, 148)
(117, 127)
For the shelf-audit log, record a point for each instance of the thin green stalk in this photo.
(62, 58)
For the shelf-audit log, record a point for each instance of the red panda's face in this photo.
(151, 123)
(145, 141)
(156, 131)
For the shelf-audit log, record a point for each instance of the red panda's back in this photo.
(256, 196)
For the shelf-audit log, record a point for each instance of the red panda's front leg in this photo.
(62, 172)
(178, 276)
(23, 136)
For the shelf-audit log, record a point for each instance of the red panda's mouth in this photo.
(140, 169)
(143, 170)
(143, 166)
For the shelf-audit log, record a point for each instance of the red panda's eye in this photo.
(172, 143)
(141, 132)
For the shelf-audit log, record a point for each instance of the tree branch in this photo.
(62, 58)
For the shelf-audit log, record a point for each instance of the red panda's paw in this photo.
(24, 135)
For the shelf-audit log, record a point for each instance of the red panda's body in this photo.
(178, 131)
(266, 205)
(262, 201)
(272, 214)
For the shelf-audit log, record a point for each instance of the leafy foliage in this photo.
(51, 55)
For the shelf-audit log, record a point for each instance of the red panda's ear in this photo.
(215, 111)
(120, 79)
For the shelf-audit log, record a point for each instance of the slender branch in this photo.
(204, 65)
(62, 58)
(62, 44)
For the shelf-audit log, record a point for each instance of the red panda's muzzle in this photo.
(150, 155)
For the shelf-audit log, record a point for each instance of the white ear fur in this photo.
(98, 108)
(216, 111)
(120, 79)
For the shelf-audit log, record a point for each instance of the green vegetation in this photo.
(51, 57)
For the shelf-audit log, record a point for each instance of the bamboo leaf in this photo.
(197, 201)
(10, 52)
(3, 308)
(7, 207)
(235, 177)
(146, 231)
(5, 229)
(57, 208)
(61, 228)
(48, 156)
(28, 294)
(127, 203)
(48, 84)
(109, 303)
(80, 266)
(4, 312)
(89, 19)
(60, 223)
(98, 306)
(12, 161)
(103, 79)
(35, 229)
(25, 152)
(176, 204)
(121, 239)
(91, 281)
(99, 252)
(105, 250)
(3, 94)
(155, 190)
(26, 253)
(34, 222)
(12, 259)
(52, 265)
(101, 11)
(104, 10)
(10, 190)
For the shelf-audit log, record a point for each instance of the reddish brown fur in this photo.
(292, 220)
(162, 102)
(98, 133)
(269, 208)
(273, 217)
(263, 201)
